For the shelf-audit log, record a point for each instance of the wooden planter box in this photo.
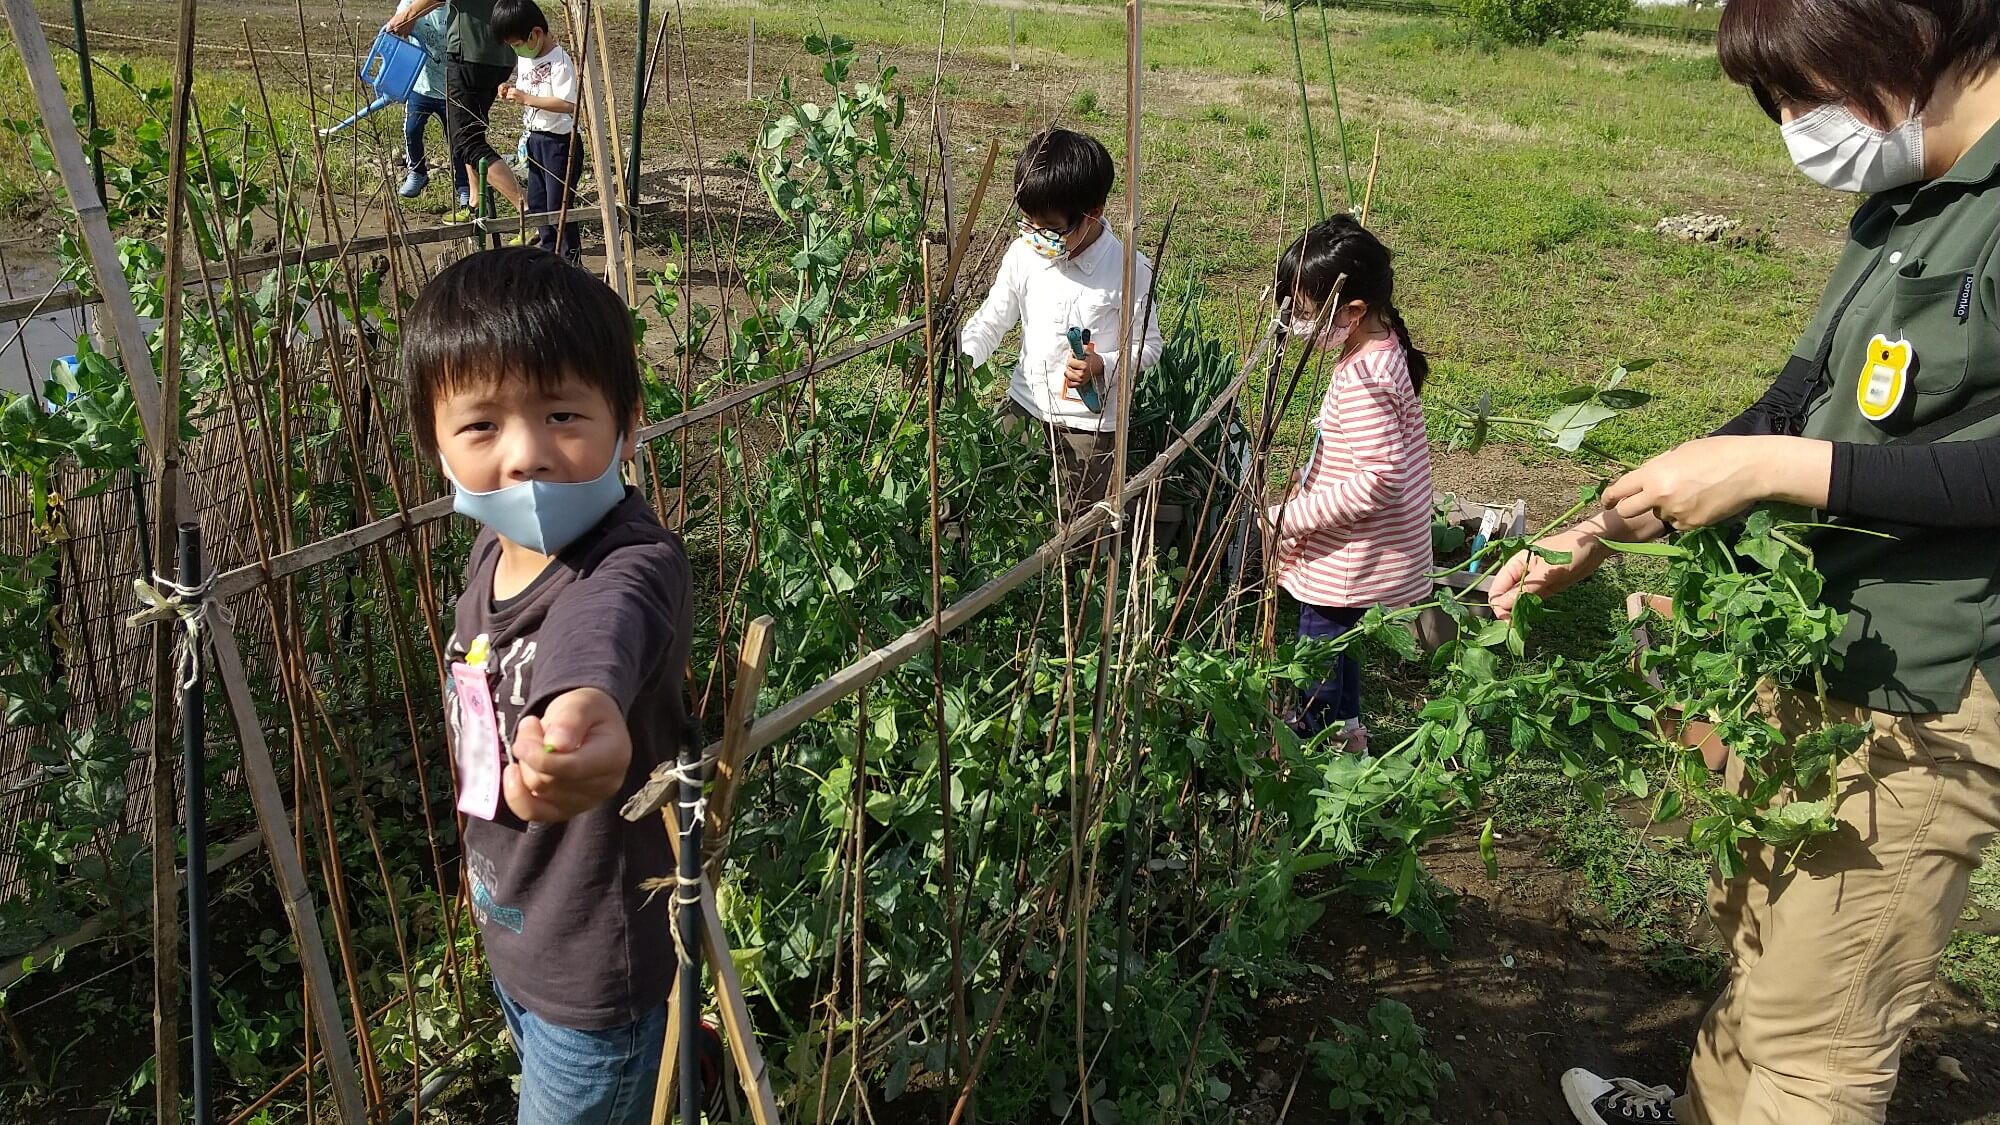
(1673, 725)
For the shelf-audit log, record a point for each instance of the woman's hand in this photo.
(1529, 573)
(1707, 481)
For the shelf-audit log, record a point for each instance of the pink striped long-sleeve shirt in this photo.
(1358, 533)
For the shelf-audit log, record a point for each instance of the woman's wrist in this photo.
(1799, 470)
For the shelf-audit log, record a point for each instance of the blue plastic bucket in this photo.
(393, 64)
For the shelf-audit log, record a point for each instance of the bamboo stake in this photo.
(1368, 197)
(752, 662)
(964, 240)
(262, 780)
(168, 505)
(932, 389)
(751, 1072)
(605, 168)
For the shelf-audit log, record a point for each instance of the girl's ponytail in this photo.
(1420, 364)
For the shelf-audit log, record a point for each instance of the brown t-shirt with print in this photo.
(569, 934)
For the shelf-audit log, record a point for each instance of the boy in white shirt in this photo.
(544, 86)
(1065, 271)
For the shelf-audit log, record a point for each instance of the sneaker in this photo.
(1354, 738)
(414, 183)
(574, 256)
(1619, 1101)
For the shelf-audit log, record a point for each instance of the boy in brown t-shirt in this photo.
(569, 650)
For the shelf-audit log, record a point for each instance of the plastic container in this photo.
(393, 65)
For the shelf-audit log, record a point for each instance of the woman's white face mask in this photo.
(1843, 152)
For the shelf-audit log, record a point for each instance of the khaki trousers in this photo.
(1832, 957)
(1082, 458)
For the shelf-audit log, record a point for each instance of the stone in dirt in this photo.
(1695, 227)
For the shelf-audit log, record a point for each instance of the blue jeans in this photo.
(1337, 698)
(571, 1077)
(417, 113)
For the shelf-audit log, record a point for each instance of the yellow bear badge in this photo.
(1885, 376)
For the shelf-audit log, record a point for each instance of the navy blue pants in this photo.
(417, 113)
(555, 165)
(1337, 698)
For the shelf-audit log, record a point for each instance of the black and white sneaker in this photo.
(1617, 1101)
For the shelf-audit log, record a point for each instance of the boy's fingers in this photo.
(523, 801)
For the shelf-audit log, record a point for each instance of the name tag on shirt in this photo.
(478, 748)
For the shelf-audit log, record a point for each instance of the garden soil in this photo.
(1533, 985)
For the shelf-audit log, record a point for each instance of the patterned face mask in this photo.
(1050, 244)
(1330, 338)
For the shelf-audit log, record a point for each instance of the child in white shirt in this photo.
(544, 86)
(1065, 271)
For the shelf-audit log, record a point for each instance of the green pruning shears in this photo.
(1078, 337)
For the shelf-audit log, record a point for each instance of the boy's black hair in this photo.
(515, 313)
(514, 20)
(1880, 56)
(1063, 172)
(1341, 245)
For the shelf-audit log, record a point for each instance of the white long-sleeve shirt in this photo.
(1048, 298)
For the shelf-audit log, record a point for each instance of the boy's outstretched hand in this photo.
(570, 760)
(1080, 372)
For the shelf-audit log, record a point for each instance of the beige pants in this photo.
(1833, 957)
(1082, 458)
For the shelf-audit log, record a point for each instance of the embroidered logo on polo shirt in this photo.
(1885, 375)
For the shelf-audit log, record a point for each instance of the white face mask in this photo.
(1845, 153)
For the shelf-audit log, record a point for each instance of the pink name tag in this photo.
(478, 749)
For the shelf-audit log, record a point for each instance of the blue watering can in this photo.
(390, 69)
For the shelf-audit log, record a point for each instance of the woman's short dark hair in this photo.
(1340, 246)
(1063, 172)
(515, 313)
(1879, 56)
(514, 20)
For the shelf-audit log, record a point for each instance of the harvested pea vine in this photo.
(1746, 616)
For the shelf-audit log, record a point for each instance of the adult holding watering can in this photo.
(1886, 420)
(476, 65)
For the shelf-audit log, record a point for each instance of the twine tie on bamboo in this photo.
(169, 601)
(1112, 515)
(687, 892)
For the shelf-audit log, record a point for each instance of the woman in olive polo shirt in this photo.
(1886, 418)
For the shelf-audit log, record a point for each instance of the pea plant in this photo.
(1746, 617)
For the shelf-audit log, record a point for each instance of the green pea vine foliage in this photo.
(1746, 618)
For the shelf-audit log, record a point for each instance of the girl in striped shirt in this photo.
(1355, 529)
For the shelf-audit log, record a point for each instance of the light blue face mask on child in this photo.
(543, 516)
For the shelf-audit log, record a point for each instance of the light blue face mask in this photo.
(543, 516)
